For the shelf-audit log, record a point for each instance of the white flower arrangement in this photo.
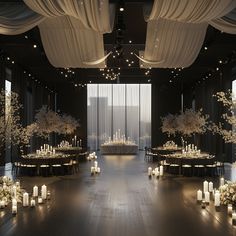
(48, 121)
(229, 103)
(187, 123)
(228, 193)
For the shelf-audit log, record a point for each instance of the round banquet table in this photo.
(125, 149)
(39, 160)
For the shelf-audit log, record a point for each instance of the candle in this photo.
(98, 170)
(2, 204)
(217, 199)
(149, 171)
(25, 199)
(4, 179)
(18, 184)
(48, 195)
(222, 181)
(95, 157)
(44, 192)
(234, 218)
(199, 195)
(14, 210)
(207, 197)
(4, 186)
(230, 209)
(14, 191)
(157, 172)
(92, 169)
(40, 200)
(35, 191)
(205, 186)
(96, 164)
(161, 170)
(210, 187)
(32, 202)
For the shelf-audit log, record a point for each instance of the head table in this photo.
(119, 149)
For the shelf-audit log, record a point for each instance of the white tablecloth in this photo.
(119, 149)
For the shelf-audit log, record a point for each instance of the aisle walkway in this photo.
(121, 201)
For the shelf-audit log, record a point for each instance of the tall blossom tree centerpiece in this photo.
(186, 123)
(226, 128)
(12, 131)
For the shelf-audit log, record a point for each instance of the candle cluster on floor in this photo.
(157, 171)
(92, 156)
(11, 192)
(95, 169)
(209, 193)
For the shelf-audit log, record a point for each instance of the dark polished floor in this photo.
(122, 200)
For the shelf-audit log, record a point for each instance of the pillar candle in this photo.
(161, 170)
(210, 187)
(217, 198)
(230, 209)
(25, 199)
(98, 170)
(222, 181)
(44, 192)
(92, 169)
(205, 186)
(95, 164)
(14, 210)
(157, 172)
(40, 200)
(199, 195)
(207, 197)
(234, 218)
(149, 171)
(32, 202)
(35, 191)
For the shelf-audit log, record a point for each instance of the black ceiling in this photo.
(220, 46)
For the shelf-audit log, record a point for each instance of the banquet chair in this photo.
(68, 166)
(26, 167)
(198, 166)
(186, 166)
(174, 165)
(148, 154)
(210, 166)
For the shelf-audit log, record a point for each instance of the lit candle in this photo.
(157, 172)
(161, 170)
(40, 200)
(222, 181)
(217, 198)
(234, 218)
(230, 209)
(205, 186)
(2, 204)
(32, 202)
(18, 184)
(96, 164)
(25, 199)
(149, 171)
(199, 195)
(35, 191)
(14, 210)
(95, 157)
(98, 170)
(210, 187)
(207, 197)
(44, 192)
(153, 172)
(92, 169)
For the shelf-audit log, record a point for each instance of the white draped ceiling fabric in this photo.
(176, 30)
(71, 30)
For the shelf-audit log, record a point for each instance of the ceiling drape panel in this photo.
(191, 11)
(97, 15)
(173, 44)
(17, 18)
(68, 43)
(176, 29)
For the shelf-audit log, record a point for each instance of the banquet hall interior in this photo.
(117, 117)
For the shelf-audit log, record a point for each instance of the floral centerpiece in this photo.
(228, 193)
(7, 192)
(169, 124)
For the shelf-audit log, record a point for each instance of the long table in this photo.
(119, 149)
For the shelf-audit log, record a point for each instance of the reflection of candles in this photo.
(222, 181)
(207, 197)
(210, 187)
(32, 202)
(205, 186)
(25, 199)
(149, 171)
(161, 170)
(199, 195)
(44, 192)
(35, 191)
(40, 200)
(217, 199)
(230, 209)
